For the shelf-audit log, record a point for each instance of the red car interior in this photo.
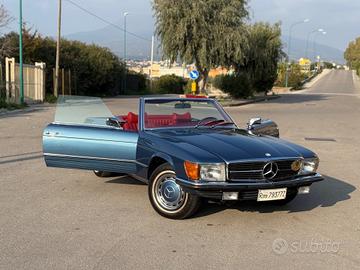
(155, 121)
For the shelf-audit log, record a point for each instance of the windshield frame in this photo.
(143, 101)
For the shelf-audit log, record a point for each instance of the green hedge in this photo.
(169, 84)
(238, 86)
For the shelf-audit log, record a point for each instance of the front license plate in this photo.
(271, 194)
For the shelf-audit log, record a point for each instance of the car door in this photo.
(76, 140)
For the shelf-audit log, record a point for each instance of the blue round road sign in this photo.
(194, 75)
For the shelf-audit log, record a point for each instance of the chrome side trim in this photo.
(96, 158)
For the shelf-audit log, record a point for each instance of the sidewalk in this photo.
(316, 79)
(356, 79)
(242, 102)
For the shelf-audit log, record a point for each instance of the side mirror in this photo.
(260, 127)
(114, 122)
(254, 121)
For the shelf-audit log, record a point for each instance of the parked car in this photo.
(185, 149)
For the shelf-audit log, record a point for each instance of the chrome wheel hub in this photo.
(169, 194)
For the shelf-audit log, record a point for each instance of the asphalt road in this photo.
(69, 219)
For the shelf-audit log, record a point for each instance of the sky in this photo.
(339, 18)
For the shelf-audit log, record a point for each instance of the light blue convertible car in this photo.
(185, 149)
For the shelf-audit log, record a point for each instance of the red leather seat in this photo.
(155, 121)
(132, 121)
(181, 118)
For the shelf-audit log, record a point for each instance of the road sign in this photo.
(194, 75)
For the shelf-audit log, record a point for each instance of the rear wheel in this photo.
(167, 197)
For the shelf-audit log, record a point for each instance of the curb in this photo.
(33, 108)
(8, 112)
(247, 102)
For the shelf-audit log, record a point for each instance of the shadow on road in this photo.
(297, 98)
(125, 180)
(20, 157)
(323, 194)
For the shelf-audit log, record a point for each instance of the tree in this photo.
(352, 55)
(208, 33)
(5, 19)
(261, 57)
(96, 70)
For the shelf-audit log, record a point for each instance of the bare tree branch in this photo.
(5, 18)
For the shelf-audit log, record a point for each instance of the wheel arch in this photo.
(157, 160)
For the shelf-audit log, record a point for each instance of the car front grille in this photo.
(254, 170)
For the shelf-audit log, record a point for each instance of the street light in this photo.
(308, 39)
(314, 44)
(289, 49)
(125, 15)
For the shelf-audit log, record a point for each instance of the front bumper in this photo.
(247, 190)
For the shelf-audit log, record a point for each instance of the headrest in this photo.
(132, 117)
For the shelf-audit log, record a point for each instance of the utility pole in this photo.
(56, 84)
(152, 55)
(21, 67)
(151, 61)
(125, 71)
(152, 49)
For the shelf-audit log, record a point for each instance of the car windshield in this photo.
(183, 113)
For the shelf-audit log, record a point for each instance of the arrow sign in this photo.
(194, 75)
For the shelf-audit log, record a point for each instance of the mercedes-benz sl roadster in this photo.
(185, 149)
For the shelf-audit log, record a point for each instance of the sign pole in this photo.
(21, 76)
(194, 75)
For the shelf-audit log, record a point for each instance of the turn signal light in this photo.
(192, 170)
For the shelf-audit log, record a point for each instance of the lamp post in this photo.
(21, 76)
(314, 42)
(308, 39)
(289, 49)
(125, 56)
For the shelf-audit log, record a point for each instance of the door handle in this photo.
(51, 134)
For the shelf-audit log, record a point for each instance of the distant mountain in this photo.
(139, 49)
(327, 53)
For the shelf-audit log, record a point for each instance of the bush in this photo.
(136, 83)
(169, 84)
(296, 76)
(50, 98)
(237, 85)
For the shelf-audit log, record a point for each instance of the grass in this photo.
(11, 106)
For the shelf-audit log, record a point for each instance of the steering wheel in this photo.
(207, 120)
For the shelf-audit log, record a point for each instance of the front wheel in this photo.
(167, 197)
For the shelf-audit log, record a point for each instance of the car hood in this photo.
(236, 144)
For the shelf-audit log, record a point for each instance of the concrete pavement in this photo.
(69, 219)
